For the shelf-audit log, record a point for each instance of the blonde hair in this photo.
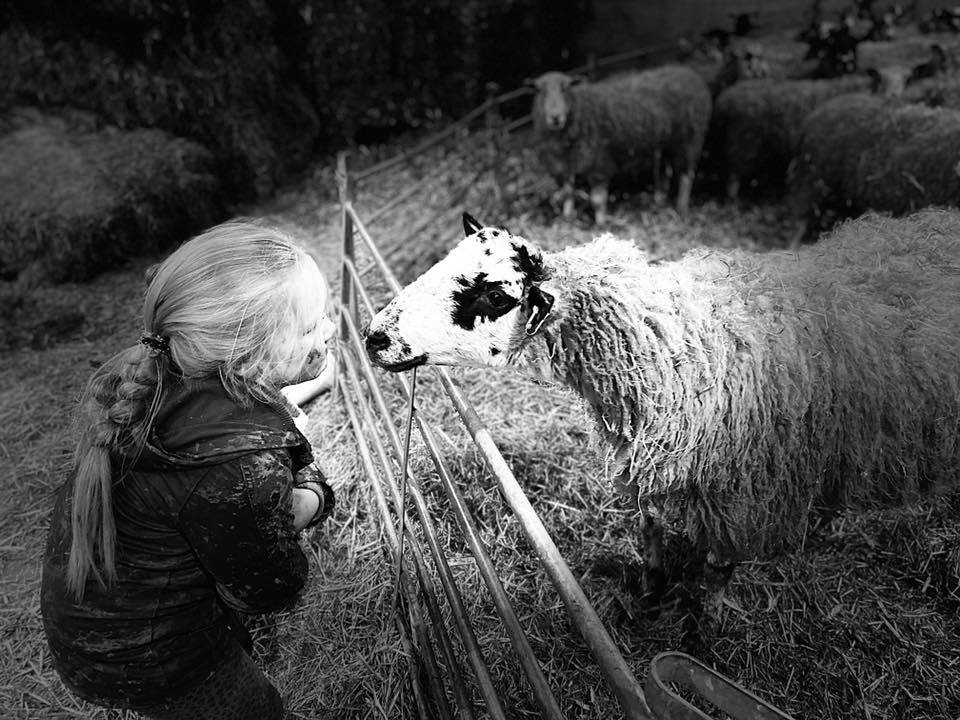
(233, 302)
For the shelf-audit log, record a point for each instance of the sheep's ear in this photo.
(540, 304)
(470, 224)
(577, 79)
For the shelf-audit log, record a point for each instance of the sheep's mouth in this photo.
(404, 364)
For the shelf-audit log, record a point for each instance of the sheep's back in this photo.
(685, 95)
(746, 388)
(859, 152)
(843, 386)
(758, 122)
(668, 105)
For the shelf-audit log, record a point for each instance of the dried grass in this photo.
(810, 631)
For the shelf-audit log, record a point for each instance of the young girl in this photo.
(190, 485)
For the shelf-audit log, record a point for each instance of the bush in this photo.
(263, 84)
(78, 201)
(383, 64)
(209, 71)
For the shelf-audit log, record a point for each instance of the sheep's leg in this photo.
(598, 198)
(689, 156)
(654, 575)
(704, 600)
(733, 187)
(683, 192)
(717, 571)
(659, 191)
(567, 192)
(797, 239)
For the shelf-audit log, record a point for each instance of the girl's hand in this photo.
(306, 505)
(304, 392)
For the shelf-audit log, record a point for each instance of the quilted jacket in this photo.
(204, 531)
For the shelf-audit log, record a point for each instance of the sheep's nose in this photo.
(376, 341)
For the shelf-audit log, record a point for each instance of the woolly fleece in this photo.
(738, 390)
(615, 125)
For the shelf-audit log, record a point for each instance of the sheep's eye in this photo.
(498, 298)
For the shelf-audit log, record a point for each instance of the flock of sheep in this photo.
(735, 390)
(886, 139)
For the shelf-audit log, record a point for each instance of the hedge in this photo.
(265, 85)
(79, 200)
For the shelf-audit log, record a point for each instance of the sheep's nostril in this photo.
(377, 341)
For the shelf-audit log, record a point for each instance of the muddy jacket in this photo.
(204, 529)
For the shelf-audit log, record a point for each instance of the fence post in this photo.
(348, 295)
(494, 123)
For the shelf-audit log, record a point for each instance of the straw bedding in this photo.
(738, 390)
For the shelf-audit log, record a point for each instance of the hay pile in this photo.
(79, 201)
(860, 153)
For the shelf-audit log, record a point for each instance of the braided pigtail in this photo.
(117, 411)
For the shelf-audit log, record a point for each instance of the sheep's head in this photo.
(889, 81)
(552, 103)
(477, 306)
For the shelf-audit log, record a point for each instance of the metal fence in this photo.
(428, 591)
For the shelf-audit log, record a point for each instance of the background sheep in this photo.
(755, 128)
(746, 60)
(859, 152)
(735, 390)
(621, 125)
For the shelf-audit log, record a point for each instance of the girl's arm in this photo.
(240, 522)
(306, 391)
(307, 511)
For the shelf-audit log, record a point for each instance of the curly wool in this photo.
(737, 390)
(615, 125)
(756, 123)
(859, 153)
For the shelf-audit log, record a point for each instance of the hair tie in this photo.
(157, 344)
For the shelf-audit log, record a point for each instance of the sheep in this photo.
(735, 390)
(755, 126)
(597, 130)
(741, 61)
(859, 152)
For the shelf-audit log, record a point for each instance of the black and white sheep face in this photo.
(552, 100)
(474, 307)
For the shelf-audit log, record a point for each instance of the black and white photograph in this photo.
(479, 360)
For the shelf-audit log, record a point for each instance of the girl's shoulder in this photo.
(200, 424)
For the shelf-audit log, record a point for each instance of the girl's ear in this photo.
(470, 224)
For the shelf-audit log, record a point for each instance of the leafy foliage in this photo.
(265, 84)
(78, 201)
